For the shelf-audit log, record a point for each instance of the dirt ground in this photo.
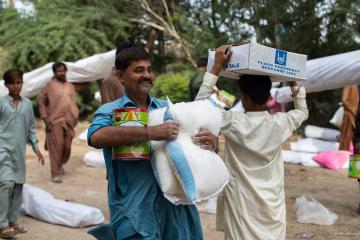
(88, 186)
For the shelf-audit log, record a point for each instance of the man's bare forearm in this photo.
(115, 136)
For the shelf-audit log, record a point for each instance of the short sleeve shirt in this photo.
(134, 196)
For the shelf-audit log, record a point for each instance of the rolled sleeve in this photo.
(207, 86)
(293, 119)
(102, 118)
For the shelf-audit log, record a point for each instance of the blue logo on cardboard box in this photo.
(280, 57)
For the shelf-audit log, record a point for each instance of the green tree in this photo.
(59, 32)
(342, 23)
(173, 85)
(177, 32)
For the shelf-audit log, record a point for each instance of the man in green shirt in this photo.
(17, 128)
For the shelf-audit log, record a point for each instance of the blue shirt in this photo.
(138, 209)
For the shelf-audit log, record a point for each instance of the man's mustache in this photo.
(145, 80)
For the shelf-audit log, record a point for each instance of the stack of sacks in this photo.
(318, 148)
(186, 173)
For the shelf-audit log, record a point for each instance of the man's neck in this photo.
(15, 97)
(59, 80)
(15, 100)
(140, 101)
(256, 108)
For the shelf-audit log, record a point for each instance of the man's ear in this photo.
(120, 74)
(242, 95)
(246, 98)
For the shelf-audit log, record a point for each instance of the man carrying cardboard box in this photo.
(254, 201)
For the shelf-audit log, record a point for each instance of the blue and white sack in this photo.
(186, 173)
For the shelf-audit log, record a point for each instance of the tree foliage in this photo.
(60, 30)
(173, 85)
(177, 32)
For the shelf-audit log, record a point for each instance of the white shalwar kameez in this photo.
(253, 203)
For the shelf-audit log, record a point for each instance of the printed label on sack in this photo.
(354, 166)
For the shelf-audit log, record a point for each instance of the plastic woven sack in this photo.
(328, 134)
(332, 159)
(94, 159)
(305, 159)
(337, 119)
(312, 145)
(185, 172)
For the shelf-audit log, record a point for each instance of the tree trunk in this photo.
(163, 22)
(153, 36)
(257, 22)
(10, 3)
(277, 35)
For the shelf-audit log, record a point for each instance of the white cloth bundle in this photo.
(329, 134)
(305, 159)
(43, 206)
(337, 119)
(83, 135)
(94, 159)
(328, 73)
(87, 69)
(313, 145)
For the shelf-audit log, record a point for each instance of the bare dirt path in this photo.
(88, 186)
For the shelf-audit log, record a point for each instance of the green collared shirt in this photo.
(17, 128)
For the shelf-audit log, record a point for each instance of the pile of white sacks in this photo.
(319, 148)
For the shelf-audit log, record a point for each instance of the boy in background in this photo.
(17, 128)
(254, 201)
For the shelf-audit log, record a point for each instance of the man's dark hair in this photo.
(127, 56)
(56, 65)
(122, 46)
(11, 74)
(256, 87)
(202, 62)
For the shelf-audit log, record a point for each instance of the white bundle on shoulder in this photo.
(185, 172)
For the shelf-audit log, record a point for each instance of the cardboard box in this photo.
(254, 58)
